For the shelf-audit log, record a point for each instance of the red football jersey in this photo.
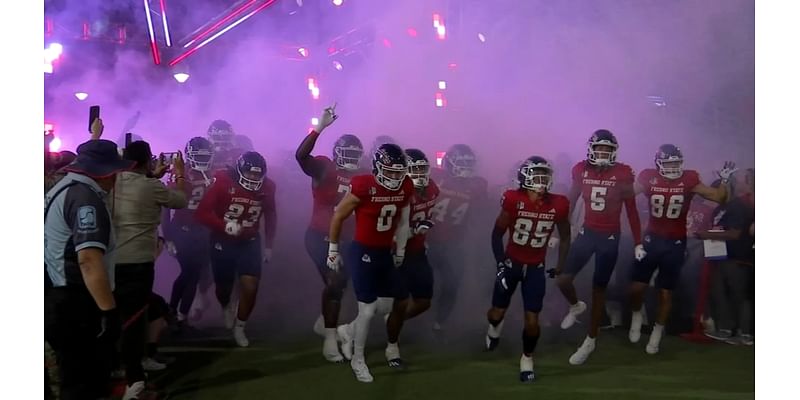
(669, 201)
(328, 193)
(532, 223)
(195, 188)
(225, 200)
(604, 191)
(456, 197)
(421, 206)
(379, 211)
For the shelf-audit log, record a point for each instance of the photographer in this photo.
(138, 200)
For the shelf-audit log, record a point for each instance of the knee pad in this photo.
(384, 305)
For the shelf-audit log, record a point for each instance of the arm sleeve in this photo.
(206, 210)
(166, 197)
(87, 216)
(633, 219)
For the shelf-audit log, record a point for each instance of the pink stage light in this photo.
(153, 46)
(49, 128)
(337, 65)
(303, 51)
(411, 32)
(220, 33)
(164, 22)
(440, 100)
(387, 43)
(440, 158)
(442, 85)
(441, 32)
(437, 20)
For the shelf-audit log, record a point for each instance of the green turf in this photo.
(617, 370)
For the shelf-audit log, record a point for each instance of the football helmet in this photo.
(347, 152)
(535, 174)
(221, 135)
(459, 161)
(242, 143)
(604, 157)
(252, 168)
(419, 168)
(389, 166)
(199, 153)
(669, 161)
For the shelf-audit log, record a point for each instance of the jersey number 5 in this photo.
(673, 208)
(386, 217)
(598, 198)
(522, 232)
(236, 210)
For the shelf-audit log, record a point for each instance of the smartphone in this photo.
(94, 113)
(169, 158)
(128, 139)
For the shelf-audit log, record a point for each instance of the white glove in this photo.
(171, 249)
(727, 170)
(327, 118)
(267, 255)
(553, 242)
(639, 252)
(334, 260)
(398, 260)
(423, 227)
(233, 228)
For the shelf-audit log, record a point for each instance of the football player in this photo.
(669, 190)
(183, 233)
(232, 208)
(461, 192)
(381, 204)
(330, 182)
(605, 185)
(529, 214)
(222, 136)
(415, 277)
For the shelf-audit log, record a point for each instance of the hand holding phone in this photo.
(94, 113)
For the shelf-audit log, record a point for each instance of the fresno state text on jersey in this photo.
(531, 224)
(604, 191)
(328, 192)
(421, 206)
(456, 197)
(669, 201)
(227, 201)
(378, 212)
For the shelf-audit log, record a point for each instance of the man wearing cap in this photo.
(81, 319)
(138, 200)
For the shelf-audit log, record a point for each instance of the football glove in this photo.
(233, 228)
(422, 227)
(639, 252)
(502, 269)
(334, 260)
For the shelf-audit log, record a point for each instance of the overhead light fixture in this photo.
(81, 95)
(181, 77)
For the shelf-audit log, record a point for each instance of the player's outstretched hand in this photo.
(639, 252)
(97, 128)
(502, 270)
(727, 170)
(327, 118)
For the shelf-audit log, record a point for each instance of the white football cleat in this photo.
(655, 339)
(361, 370)
(319, 326)
(526, 369)
(572, 315)
(583, 352)
(132, 392)
(151, 365)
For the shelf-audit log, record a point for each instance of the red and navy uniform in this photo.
(226, 201)
(531, 224)
(186, 233)
(377, 218)
(415, 276)
(458, 196)
(604, 190)
(665, 236)
(327, 193)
